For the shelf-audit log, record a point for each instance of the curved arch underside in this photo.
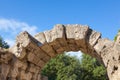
(28, 56)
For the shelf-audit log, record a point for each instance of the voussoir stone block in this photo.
(77, 34)
(64, 44)
(56, 32)
(24, 41)
(103, 43)
(56, 46)
(34, 69)
(20, 64)
(76, 31)
(48, 49)
(41, 37)
(93, 38)
(5, 56)
(33, 58)
(72, 45)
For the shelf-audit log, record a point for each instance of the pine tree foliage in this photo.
(3, 44)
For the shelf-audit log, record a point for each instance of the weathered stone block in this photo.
(76, 31)
(64, 44)
(33, 69)
(41, 37)
(25, 76)
(82, 45)
(14, 72)
(35, 76)
(4, 71)
(57, 47)
(20, 64)
(56, 32)
(72, 45)
(23, 41)
(93, 38)
(33, 58)
(46, 58)
(48, 49)
(41, 63)
(103, 43)
(18, 51)
(6, 57)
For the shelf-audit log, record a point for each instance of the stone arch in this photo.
(29, 54)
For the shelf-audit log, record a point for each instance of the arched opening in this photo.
(32, 53)
(36, 52)
(68, 66)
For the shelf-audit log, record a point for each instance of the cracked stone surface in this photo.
(27, 57)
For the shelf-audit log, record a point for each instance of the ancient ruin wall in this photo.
(28, 56)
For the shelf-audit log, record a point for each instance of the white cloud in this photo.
(16, 26)
(10, 41)
(78, 54)
(11, 28)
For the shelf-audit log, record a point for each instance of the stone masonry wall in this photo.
(28, 56)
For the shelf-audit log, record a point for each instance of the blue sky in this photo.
(40, 15)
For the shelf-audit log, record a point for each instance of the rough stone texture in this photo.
(76, 31)
(94, 36)
(41, 37)
(56, 32)
(28, 56)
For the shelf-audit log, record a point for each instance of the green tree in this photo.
(3, 44)
(64, 67)
(116, 35)
(95, 70)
